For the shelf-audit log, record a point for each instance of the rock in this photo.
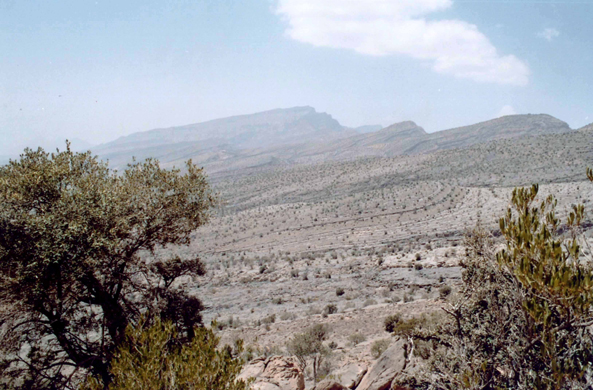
(274, 373)
(382, 373)
(329, 385)
(350, 375)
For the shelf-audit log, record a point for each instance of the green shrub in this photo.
(309, 345)
(391, 321)
(339, 291)
(149, 360)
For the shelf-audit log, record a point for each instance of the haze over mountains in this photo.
(303, 135)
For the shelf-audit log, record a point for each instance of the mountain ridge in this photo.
(302, 135)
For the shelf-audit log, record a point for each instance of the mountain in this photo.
(390, 141)
(409, 138)
(301, 135)
(269, 128)
(368, 129)
(506, 127)
(588, 127)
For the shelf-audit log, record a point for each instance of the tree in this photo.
(80, 260)
(310, 344)
(150, 359)
(525, 313)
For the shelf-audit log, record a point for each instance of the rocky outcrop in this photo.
(274, 373)
(329, 385)
(382, 373)
(350, 375)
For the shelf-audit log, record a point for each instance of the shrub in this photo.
(369, 302)
(391, 321)
(269, 319)
(444, 291)
(148, 360)
(379, 346)
(309, 344)
(331, 309)
(339, 291)
(356, 338)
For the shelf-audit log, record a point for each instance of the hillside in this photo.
(588, 127)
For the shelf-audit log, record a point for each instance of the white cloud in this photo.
(507, 110)
(384, 27)
(549, 34)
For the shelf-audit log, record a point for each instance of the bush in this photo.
(148, 360)
(379, 346)
(356, 338)
(309, 344)
(444, 291)
(269, 319)
(369, 302)
(339, 291)
(391, 321)
(331, 309)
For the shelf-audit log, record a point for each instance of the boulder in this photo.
(329, 385)
(382, 373)
(274, 373)
(350, 375)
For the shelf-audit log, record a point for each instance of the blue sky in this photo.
(97, 70)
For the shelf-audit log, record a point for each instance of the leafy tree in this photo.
(151, 359)
(79, 260)
(525, 313)
(309, 344)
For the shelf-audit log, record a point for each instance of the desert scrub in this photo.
(379, 346)
(444, 291)
(369, 302)
(391, 321)
(356, 338)
(331, 309)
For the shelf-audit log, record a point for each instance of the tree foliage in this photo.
(150, 358)
(79, 263)
(523, 319)
(309, 344)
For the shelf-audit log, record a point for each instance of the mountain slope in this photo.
(506, 127)
(301, 135)
(269, 128)
(588, 127)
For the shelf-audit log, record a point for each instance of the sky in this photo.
(96, 70)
